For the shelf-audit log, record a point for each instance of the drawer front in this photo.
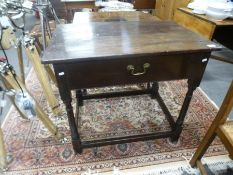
(128, 71)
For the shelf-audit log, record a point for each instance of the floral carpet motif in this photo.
(36, 151)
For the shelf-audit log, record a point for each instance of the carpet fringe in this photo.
(213, 169)
(214, 165)
(158, 171)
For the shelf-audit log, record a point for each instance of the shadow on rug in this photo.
(35, 151)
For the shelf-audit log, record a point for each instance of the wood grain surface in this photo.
(101, 40)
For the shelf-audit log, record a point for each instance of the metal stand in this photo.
(43, 78)
(10, 83)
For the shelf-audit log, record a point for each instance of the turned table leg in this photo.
(79, 97)
(179, 122)
(76, 142)
(154, 89)
(65, 94)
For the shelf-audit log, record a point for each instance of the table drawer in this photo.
(128, 71)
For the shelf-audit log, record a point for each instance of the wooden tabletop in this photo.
(204, 17)
(80, 17)
(101, 40)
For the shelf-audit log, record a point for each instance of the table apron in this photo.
(80, 75)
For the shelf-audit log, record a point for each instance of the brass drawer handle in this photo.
(131, 68)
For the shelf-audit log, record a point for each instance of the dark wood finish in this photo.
(223, 34)
(72, 6)
(106, 72)
(97, 54)
(81, 17)
(218, 128)
(145, 4)
(107, 41)
(59, 8)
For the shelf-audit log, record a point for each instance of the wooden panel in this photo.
(164, 9)
(179, 4)
(209, 28)
(144, 4)
(225, 22)
(197, 25)
(88, 17)
(225, 133)
(72, 6)
(79, 5)
(219, 120)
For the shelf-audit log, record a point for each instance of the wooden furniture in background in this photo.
(165, 9)
(119, 53)
(144, 4)
(201, 24)
(86, 17)
(73, 5)
(221, 31)
(59, 8)
(220, 127)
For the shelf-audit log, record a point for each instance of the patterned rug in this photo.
(36, 151)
